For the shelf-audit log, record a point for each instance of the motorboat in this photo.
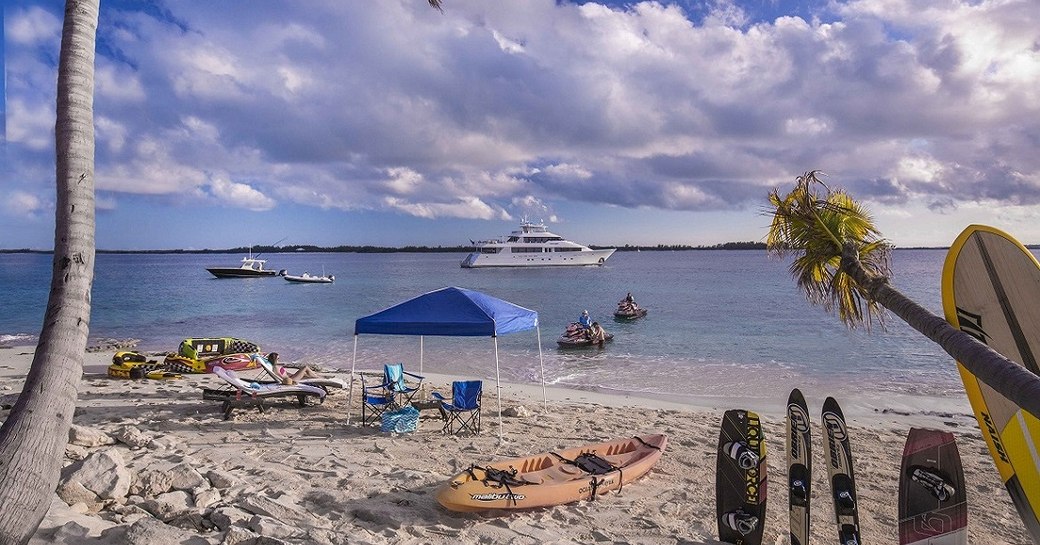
(532, 245)
(307, 278)
(251, 267)
(578, 336)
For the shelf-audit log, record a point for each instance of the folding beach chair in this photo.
(375, 400)
(395, 379)
(255, 393)
(464, 409)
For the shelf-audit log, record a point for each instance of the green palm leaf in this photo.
(813, 223)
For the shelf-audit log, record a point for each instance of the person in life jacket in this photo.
(585, 320)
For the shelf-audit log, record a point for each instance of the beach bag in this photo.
(403, 420)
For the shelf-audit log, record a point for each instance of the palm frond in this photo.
(811, 224)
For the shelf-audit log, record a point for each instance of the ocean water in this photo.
(720, 323)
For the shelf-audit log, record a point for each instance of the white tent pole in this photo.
(545, 400)
(422, 385)
(498, 388)
(350, 394)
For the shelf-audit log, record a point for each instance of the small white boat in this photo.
(307, 278)
(533, 246)
(250, 268)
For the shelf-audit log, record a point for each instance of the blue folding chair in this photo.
(464, 408)
(396, 379)
(375, 400)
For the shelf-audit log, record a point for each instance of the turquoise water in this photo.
(720, 322)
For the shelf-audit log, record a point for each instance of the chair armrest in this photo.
(438, 396)
(413, 375)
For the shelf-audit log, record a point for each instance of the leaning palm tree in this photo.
(841, 262)
(33, 438)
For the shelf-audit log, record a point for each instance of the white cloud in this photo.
(240, 195)
(471, 208)
(30, 124)
(21, 204)
(32, 26)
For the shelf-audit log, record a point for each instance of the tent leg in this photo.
(498, 388)
(422, 385)
(350, 391)
(541, 366)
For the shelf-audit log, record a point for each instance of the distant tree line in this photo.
(368, 249)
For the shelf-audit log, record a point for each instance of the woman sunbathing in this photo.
(290, 378)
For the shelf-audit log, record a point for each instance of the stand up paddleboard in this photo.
(839, 469)
(799, 466)
(933, 508)
(740, 479)
(991, 291)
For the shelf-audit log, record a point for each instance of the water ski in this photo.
(933, 507)
(839, 470)
(799, 466)
(740, 479)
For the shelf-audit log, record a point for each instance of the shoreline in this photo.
(301, 475)
(874, 404)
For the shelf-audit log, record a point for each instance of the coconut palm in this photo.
(33, 438)
(842, 263)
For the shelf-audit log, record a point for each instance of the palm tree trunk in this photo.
(1003, 375)
(33, 438)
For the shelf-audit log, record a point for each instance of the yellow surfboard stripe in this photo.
(1012, 435)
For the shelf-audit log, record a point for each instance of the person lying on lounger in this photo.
(291, 378)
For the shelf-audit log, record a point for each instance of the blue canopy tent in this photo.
(455, 312)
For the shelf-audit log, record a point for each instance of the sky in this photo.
(349, 122)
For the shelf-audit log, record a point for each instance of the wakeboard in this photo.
(799, 467)
(933, 507)
(842, 478)
(990, 289)
(740, 479)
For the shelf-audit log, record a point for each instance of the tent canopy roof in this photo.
(450, 312)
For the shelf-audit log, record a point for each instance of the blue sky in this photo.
(226, 124)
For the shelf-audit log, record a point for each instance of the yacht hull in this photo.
(583, 258)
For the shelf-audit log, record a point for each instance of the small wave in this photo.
(17, 339)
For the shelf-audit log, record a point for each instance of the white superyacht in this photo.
(533, 246)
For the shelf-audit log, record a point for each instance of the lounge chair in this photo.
(325, 383)
(464, 408)
(395, 380)
(255, 393)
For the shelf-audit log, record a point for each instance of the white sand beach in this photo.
(302, 475)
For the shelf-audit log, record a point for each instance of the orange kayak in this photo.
(553, 478)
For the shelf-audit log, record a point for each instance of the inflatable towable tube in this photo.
(204, 348)
(134, 365)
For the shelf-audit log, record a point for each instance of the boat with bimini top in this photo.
(533, 245)
(251, 267)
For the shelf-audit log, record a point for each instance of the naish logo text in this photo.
(496, 496)
(754, 442)
(992, 431)
(971, 324)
